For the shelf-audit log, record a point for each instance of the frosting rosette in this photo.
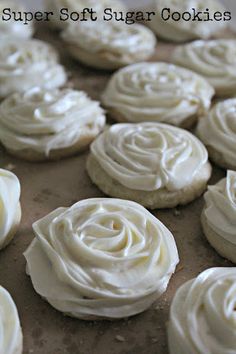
(150, 156)
(215, 60)
(12, 28)
(180, 24)
(159, 92)
(202, 315)
(220, 210)
(101, 258)
(10, 329)
(219, 216)
(44, 121)
(217, 130)
(97, 6)
(118, 44)
(10, 210)
(28, 63)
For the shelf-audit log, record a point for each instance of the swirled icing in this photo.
(46, 120)
(220, 211)
(115, 38)
(157, 92)
(9, 202)
(10, 329)
(218, 130)
(12, 28)
(214, 60)
(150, 156)
(187, 30)
(101, 257)
(202, 316)
(28, 63)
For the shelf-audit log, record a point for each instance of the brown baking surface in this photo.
(46, 186)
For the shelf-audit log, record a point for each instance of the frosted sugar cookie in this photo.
(101, 258)
(159, 92)
(38, 125)
(156, 165)
(10, 209)
(214, 60)
(109, 45)
(11, 28)
(28, 63)
(219, 216)
(184, 20)
(202, 315)
(10, 329)
(217, 130)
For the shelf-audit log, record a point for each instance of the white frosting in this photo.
(47, 120)
(203, 316)
(187, 30)
(220, 208)
(218, 130)
(101, 257)
(78, 5)
(150, 156)
(10, 329)
(26, 64)
(118, 39)
(12, 28)
(9, 202)
(215, 60)
(157, 92)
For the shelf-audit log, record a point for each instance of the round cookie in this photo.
(98, 6)
(215, 60)
(11, 340)
(202, 314)
(217, 130)
(104, 259)
(14, 29)
(176, 29)
(109, 45)
(219, 216)
(43, 125)
(158, 92)
(10, 211)
(26, 64)
(156, 165)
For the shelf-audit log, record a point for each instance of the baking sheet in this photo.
(46, 186)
